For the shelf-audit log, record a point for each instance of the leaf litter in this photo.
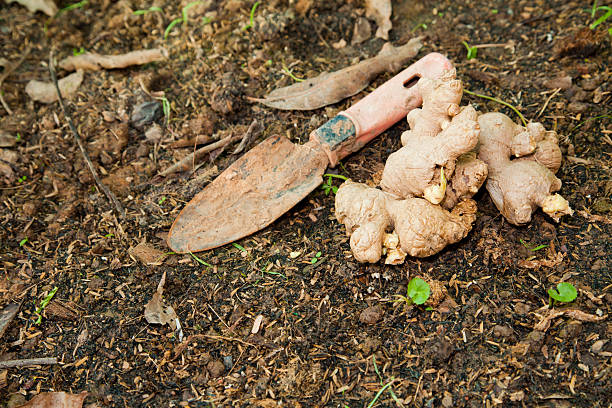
(157, 312)
(45, 92)
(96, 62)
(380, 11)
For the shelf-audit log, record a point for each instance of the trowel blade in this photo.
(249, 195)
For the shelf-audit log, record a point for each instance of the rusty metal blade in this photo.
(249, 195)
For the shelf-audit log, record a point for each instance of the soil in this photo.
(286, 317)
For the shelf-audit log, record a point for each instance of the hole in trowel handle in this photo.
(411, 82)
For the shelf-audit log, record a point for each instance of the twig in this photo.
(547, 101)
(8, 71)
(93, 170)
(187, 161)
(28, 362)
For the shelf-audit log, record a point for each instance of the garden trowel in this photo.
(277, 174)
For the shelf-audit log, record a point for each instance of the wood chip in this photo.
(95, 62)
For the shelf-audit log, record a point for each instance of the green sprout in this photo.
(239, 247)
(494, 11)
(385, 386)
(328, 186)
(166, 107)
(162, 200)
(18, 138)
(471, 51)
(200, 261)
(44, 304)
(186, 8)
(22, 179)
(422, 25)
(251, 17)
(77, 52)
(417, 292)
(536, 248)
(149, 10)
(171, 26)
(316, 258)
(206, 20)
(73, 6)
(23, 242)
(288, 72)
(500, 102)
(602, 19)
(565, 293)
(109, 235)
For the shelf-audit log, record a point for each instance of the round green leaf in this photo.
(418, 291)
(566, 292)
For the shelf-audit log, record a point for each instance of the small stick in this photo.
(186, 162)
(93, 170)
(8, 71)
(28, 362)
(547, 101)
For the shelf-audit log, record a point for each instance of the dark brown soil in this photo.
(316, 346)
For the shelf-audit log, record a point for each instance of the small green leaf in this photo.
(240, 247)
(566, 292)
(200, 260)
(23, 242)
(170, 26)
(418, 291)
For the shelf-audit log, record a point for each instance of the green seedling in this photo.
(251, 17)
(22, 179)
(602, 19)
(186, 8)
(23, 242)
(422, 25)
(73, 6)
(171, 26)
(385, 386)
(288, 72)
(328, 184)
(494, 11)
(149, 10)
(200, 261)
(239, 247)
(418, 292)
(472, 52)
(162, 200)
(206, 20)
(500, 102)
(316, 258)
(565, 293)
(18, 138)
(165, 107)
(44, 304)
(77, 52)
(536, 248)
(109, 235)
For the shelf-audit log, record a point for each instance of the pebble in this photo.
(563, 82)
(577, 107)
(503, 331)
(371, 315)
(216, 368)
(146, 113)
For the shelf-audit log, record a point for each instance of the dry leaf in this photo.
(147, 254)
(95, 62)
(380, 11)
(46, 6)
(544, 324)
(538, 263)
(158, 313)
(56, 400)
(330, 88)
(7, 315)
(6, 140)
(45, 92)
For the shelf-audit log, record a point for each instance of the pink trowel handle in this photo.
(351, 129)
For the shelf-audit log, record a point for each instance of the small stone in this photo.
(371, 315)
(571, 330)
(503, 331)
(447, 401)
(154, 133)
(29, 209)
(228, 362)
(577, 107)
(561, 81)
(146, 253)
(590, 84)
(216, 368)
(361, 31)
(146, 113)
(598, 346)
(522, 308)
(6, 140)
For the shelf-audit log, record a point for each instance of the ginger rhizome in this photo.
(440, 132)
(522, 163)
(378, 222)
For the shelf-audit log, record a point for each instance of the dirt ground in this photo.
(328, 332)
